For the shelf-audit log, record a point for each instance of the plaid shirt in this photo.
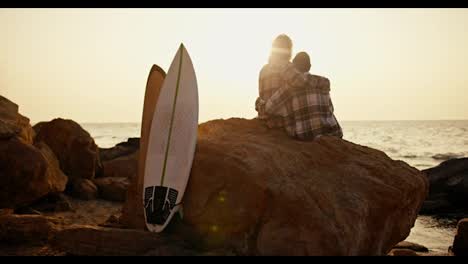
(307, 110)
(269, 82)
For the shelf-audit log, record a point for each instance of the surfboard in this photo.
(171, 143)
(132, 212)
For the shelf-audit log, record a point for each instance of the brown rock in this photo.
(112, 221)
(412, 246)
(6, 211)
(247, 181)
(102, 241)
(83, 189)
(31, 229)
(448, 187)
(133, 143)
(6, 130)
(252, 190)
(37, 127)
(112, 188)
(125, 166)
(460, 243)
(53, 202)
(27, 210)
(29, 250)
(27, 173)
(132, 211)
(403, 252)
(75, 149)
(260, 192)
(119, 150)
(13, 124)
(56, 179)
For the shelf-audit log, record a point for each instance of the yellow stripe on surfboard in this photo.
(181, 50)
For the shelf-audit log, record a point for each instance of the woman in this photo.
(270, 76)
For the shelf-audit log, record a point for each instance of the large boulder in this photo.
(27, 173)
(257, 191)
(73, 146)
(112, 188)
(31, 229)
(411, 246)
(124, 166)
(121, 149)
(402, 252)
(12, 123)
(448, 188)
(460, 242)
(80, 240)
(56, 179)
(53, 202)
(132, 211)
(83, 189)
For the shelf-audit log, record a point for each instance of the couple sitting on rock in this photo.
(292, 98)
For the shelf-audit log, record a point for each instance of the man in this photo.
(277, 73)
(306, 111)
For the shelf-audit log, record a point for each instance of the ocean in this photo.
(421, 144)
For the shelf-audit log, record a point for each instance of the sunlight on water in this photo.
(108, 135)
(429, 232)
(422, 144)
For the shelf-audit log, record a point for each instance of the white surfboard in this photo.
(171, 143)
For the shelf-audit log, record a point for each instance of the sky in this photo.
(91, 65)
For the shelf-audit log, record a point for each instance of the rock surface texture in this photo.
(260, 192)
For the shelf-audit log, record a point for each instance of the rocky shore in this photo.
(252, 191)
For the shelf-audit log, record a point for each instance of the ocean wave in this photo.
(447, 156)
(392, 150)
(387, 139)
(102, 136)
(423, 165)
(410, 156)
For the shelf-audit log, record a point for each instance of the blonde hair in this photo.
(282, 47)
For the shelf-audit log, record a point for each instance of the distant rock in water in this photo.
(73, 146)
(259, 192)
(448, 187)
(447, 156)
